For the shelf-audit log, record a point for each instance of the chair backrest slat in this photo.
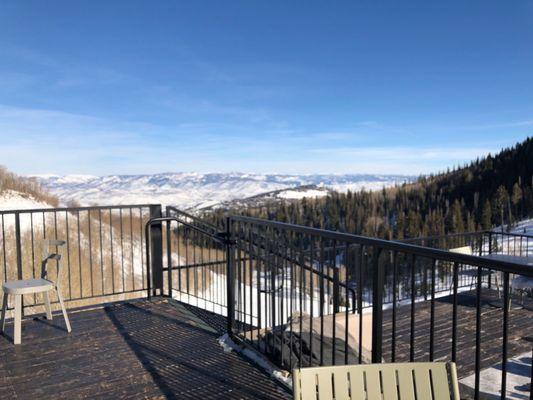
(309, 383)
(357, 384)
(340, 381)
(439, 377)
(48, 255)
(373, 386)
(422, 381)
(407, 381)
(325, 385)
(390, 391)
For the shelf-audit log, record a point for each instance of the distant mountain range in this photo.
(196, 190)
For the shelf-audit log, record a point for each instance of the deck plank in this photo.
(520, 325)
(143, 349)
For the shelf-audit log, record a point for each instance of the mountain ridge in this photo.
(193, 190)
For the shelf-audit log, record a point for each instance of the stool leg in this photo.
(18, 318)
(4, 310)
(46, 296)
(67, 322)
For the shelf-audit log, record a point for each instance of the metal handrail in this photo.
(194, 218)
(74, 209)
(465, 234)
(443, 255)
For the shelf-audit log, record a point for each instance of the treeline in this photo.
(29, 186)
(490, 191)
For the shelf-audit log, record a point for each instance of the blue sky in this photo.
(294, 87)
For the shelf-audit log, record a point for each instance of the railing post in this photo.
(377, 307)
(156, 250)
(230, 277)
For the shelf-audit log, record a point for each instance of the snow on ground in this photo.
(300, 194)
(13, 200)
(524, 227)
(213, 299)
(518, 245)
(195, 190)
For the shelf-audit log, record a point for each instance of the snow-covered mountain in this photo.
(196, 190)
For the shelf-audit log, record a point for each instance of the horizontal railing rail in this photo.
(500, 265)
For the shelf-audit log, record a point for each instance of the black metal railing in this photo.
(103, 257)
(301, 296)
(288, 306)
(481, 243)
(195, 262)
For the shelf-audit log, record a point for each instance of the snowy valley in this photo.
(195, 190)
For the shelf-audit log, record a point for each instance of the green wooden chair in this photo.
(397, 381)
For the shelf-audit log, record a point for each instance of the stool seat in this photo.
(27, 286)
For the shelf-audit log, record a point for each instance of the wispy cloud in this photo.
(408, 153)
(500, 125)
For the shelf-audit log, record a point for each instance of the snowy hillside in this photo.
(13, 200)
(195, 190)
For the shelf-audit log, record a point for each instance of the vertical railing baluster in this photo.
(68, 256)
(18, 246)
(454, 311)
(360, 292)
(322, 298)
(32, 254)
(478, 333)
(101, 238)
(394, 305)
(413, 301)
(377, 306)
(80, 269)
(432, 311)
(132, 251)
(122, 249)
(230, 277)
(169, 255)
(300, 310)
(145, 283)
(311, 305)
(112, 252)
(346, 311)
(505, 331)
(89, 222)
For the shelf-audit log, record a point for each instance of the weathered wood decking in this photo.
(148, 350)
(520, 330)
(161, 350)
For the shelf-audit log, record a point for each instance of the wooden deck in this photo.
(137, 350)
(520, 330)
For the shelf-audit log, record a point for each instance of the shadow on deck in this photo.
(144, 349)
